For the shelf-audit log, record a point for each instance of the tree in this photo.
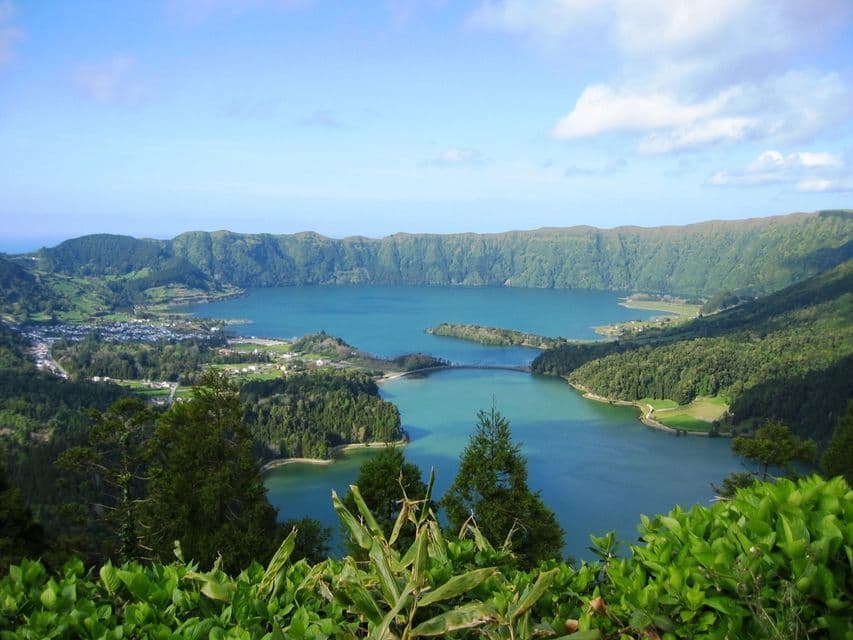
(837, 460)
(383, 481)
(774, 444)
(20, 535)
(206, 489)
(115, 465)
(312, 539)
(491, 486)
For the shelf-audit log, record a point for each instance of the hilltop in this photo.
(753, 257)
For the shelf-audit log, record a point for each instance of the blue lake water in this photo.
(595, 464)
(390, 321)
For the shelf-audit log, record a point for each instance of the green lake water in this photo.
(595, 464)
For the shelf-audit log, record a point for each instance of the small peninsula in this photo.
(495, 336)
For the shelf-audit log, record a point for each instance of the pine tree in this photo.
(491, 486)
(114, 465)
(206, 489)
(382, 481)
(20, 535)
(837, 460)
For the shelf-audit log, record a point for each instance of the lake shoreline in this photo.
(341, 448)
(646, 411)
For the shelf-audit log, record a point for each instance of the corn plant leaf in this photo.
(364, 510)
(532, 594)
(278, 561)
(438, 548)
(382, 630)
(360, 534)
(421, 556)
(464, 617)
(390, 588)
(457, 585)
(363, 603)
(402, 517)
(427, 498)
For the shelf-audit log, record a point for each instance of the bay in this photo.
(595, 464)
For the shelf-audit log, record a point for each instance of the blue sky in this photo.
(367, 118)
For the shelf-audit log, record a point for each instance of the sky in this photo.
(155, 117)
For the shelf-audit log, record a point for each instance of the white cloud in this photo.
(455, 157)
(698, 134)
(690, 74)
(806, 170)
(10, 35)
(112, 81)
(788, 108)
(603, 109)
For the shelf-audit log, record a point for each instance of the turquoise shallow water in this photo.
(596, 465)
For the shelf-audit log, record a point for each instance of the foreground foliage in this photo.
(774, 562)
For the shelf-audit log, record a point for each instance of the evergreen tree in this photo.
(206, 489)
(491, 486)
(837, 460)
(383, 481)
(20, 535)
(774, 445)
(114, 465)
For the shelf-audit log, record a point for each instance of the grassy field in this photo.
(143, 389)
(249, 347)
(699, 415)
(678, 308)
(660, 404)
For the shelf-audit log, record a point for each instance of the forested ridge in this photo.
(787, 356)
(757, 256)
(308, 414)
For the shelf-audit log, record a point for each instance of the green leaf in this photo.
(48, 596)
(465, 617)
(589, 634)
(109, 577)
(532, 594)
(380, 632)
(402, 517)
(360, 534)
(278, 561)
(363, 603)
(390, 588)
(216, 590)
(457, 585)
(364, 510)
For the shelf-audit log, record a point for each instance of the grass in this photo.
(681, 309)
(660, 404)
(699, 415)
(249, 347)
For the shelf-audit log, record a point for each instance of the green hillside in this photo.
(756, 256)
(788, 356)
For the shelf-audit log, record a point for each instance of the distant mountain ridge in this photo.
(757, 255)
